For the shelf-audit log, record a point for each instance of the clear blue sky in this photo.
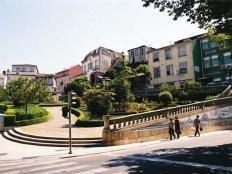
(54, 34)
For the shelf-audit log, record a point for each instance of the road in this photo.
(210, 153)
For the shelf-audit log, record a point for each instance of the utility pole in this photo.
(69, 119)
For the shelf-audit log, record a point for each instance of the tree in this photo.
(213, 14)
(24, 91)
(3, 96)
(98, 101)
(79, 85)
(165, 98)
(121, 88)
(169, 88)
(142, 68)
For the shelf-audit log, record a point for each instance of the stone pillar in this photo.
(1, 122)
(106, 129)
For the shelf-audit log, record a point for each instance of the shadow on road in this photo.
(200, 160)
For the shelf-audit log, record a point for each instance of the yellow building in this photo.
(172, 64)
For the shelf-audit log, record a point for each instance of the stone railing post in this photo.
(106, 129)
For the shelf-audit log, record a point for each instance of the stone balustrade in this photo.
(146, 117)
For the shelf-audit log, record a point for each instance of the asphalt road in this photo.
(210, 153)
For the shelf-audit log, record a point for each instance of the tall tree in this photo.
(24, 91)
(79, 85)
(213, 14)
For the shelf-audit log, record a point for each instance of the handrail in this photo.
(135, 119)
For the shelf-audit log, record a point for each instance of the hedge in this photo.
(75, 112)
(3, 108)
(33, 121)
(89, 123)
(9, 120)
(51, 105)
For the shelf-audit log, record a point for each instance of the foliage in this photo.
(121, 88)
(3, 96)
(137, 107)
(79, 85)
(89, 123)
(223, 40)
(98, 101)
(191, 85)
(142, 68)
(9, 120)
(3, 108)
(212, 14)
(165, 98)
(32, 121)
(169, 88)
(24, 91)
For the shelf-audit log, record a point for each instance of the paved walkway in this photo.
(57, 126)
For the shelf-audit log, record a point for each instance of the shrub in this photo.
(137, 107)
(165, 98)
(75, 112)
(3, 109)
(32, 121)
(89, 123)
(9, 120)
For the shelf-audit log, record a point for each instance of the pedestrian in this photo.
(177, 127)
(197, 125)
(171, 129)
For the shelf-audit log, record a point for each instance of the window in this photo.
(141, 51)
(169, 70)
(207, 62)
(227, 57)
(213, 45)
(156, 72)
(155, 56)
(90, 65)
(85, 69)
(182, 51)
(136, 52)
(168, 53)
(205, 44)
(215, 61)
(31, 69)
(96, 64)
(23, 69)
(183, 67)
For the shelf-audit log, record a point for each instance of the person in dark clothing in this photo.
(171, 129)
(197, 125)
(177, 127)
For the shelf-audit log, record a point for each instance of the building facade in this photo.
(3, 80)
(171, 64)
(66, 76)
(48, 81)
(22, 70)
(98, 61)
(139, 54)
(213, 63)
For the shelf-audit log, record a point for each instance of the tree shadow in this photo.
(199, 160)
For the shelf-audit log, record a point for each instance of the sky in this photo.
(56, 34)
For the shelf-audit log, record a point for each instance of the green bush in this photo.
(3, 108)
(75, 112)
(50, 105)
(32, 121)
(9, 120)
(165, 98)
(89, 123)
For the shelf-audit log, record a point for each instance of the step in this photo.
(9, 137)
(56, 138)
(66, 141)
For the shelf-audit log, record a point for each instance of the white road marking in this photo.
(68, 170)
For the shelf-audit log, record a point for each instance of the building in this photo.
(48, 81)
(22, 70)
(97, 62)
(66, 76)
(171, 64)
(213, 66)
(3, 80)
(139, 54)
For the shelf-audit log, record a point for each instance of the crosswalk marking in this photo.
(37, 169)
(72, 169)
(99, 170)
(17, 167)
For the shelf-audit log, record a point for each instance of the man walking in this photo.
(177, 127)
(197, 125)
(171, 129)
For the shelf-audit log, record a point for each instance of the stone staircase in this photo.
(16, 135)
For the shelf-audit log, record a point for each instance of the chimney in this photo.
(4, 72)
(8, 70)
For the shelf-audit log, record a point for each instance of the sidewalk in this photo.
(57, 126)
(15, 151)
